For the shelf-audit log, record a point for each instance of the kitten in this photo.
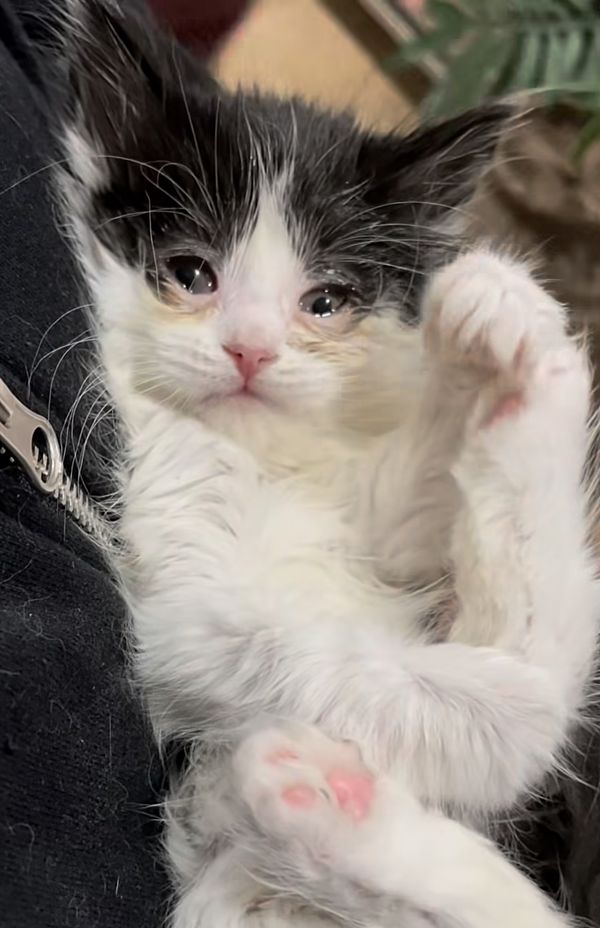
(312, 475)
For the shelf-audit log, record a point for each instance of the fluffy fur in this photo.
(379, 537)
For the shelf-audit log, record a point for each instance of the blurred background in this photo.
(394, 62)
(331, 52)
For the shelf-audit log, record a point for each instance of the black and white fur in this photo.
(382, 542)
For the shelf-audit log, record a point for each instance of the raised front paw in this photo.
(487, 311)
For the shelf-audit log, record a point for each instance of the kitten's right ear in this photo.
(437, 166)
(127, 81)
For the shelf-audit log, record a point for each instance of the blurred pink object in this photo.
(415, 7)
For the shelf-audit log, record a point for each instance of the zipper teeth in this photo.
(21, 431)
(73, 500)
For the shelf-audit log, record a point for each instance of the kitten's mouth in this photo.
(250, 394)
(245, 392)
(248, 389)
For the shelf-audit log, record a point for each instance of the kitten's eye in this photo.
(193, 273)
(324, 301)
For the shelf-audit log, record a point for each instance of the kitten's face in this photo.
(241, 302)
(249, 250)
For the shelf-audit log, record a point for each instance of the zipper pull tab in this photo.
(31, 440)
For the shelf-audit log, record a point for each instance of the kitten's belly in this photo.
(201, 516)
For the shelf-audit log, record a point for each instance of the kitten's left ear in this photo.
(436, 167)
(128, 83)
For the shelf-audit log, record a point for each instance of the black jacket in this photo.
(79, 777)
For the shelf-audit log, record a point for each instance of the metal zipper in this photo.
(31, 441)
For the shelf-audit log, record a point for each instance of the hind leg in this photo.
(324, 828)
(224, 895)
(215, 888)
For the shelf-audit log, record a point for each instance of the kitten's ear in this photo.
(127, 78)
(436, 167)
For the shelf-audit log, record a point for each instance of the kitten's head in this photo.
(240, 245)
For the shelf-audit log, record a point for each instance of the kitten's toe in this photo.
(555, 399)
(297, 782)
(537, 437)
(486, 310)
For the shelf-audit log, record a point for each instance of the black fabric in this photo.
(79, 777)
(558, 839)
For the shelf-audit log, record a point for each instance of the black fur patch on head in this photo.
(182, 160)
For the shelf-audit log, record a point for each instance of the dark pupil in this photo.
(188, 274)
(322, 306)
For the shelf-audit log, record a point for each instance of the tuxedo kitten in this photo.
(353, 514)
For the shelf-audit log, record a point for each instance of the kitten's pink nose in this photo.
(249, 360)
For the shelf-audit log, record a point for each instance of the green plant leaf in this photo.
(549, 9)
(450, 23)
(590, 72)
(414, 51)
(505, 46)
(589, 134)
(558, 9)
(585, 7)
(561, 53)
(471, 75)
(574, 43)
(521, 71)
(448, 17)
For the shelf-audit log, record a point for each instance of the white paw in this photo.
(298, 783)
(537, 437)
(551, 411)
(486, 310)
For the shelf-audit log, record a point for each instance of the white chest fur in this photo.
(204, 513)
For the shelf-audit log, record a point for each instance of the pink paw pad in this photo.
(281, 756)
(354, 792)
(300, 797)
(505, 408)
